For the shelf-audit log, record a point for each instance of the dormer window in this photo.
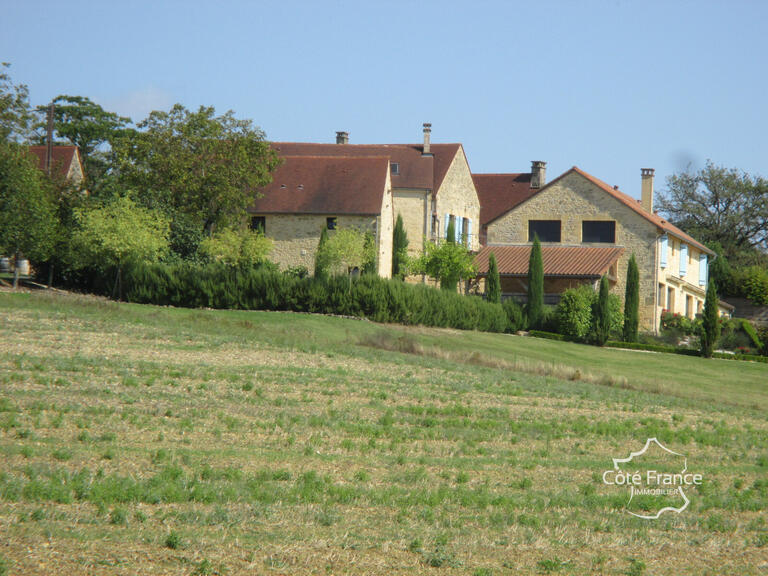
(394, 167)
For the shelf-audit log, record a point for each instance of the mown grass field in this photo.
(137, 439)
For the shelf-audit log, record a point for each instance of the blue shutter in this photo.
(469, 233)
(447, 222)
(683, 259)
(459, 222)
(703, 270)
(663, 249)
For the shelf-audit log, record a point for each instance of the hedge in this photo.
(369, 296)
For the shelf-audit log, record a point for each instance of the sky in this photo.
(611, 86)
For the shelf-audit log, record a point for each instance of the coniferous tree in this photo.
(535, 306)
(601, 314)
(321, 264)
(710, 329)
(631, 301)
(450, 232)
(399, 249)
(493, 282)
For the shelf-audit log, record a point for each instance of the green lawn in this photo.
(158, 440)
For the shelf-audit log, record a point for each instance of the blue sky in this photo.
(609, 86)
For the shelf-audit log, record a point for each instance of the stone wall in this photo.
(457, 196)
(410, 204)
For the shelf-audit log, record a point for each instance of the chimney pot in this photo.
(646, 189)
(342, 137)
(427, 150)
(538, 174)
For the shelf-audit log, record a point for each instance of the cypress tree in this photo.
(493, 282)
(399, 249)
(450, 232)
(601, 314)
(631, 301)
(710, 329)
(535, 306)
(321, 266)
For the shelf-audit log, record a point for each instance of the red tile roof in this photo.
(62, 157)
(499, 193)
(573, 261)
(415, 169)
(325, 185)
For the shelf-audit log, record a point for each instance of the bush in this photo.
(756, 285)
(515, 315)
(264, 288)
(573, 316)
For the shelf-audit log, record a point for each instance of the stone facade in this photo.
(296, 236)
(457, 196)
(413, 206)
(573, 199)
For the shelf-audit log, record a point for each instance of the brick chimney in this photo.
(538, 174)
(427, 131)
(646, 189)
(342, 137)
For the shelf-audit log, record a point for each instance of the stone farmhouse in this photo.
(428, 184)
(589, 229)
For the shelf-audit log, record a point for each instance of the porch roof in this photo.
(561, 261)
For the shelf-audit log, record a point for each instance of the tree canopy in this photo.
(721, 205)
(15, 113)
(197, 164)
(448, 262)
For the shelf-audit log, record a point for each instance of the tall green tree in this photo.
(196, 164)
(710, 328)
(535, 305)
(718, 204)
(15, 112)
(343, 251)
(493, 281)
(399, 249)
(85, 124)
(631, 302)
(28, 222)
(601, 313)
(322, 263)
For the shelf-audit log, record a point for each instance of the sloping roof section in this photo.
(325, 185)
(499, 193)
(415, 170)
(565, 261)
(637, 207)
(62, 158)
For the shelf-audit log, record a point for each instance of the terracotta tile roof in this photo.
(325, 185)
(415, 169)
(62, 157)
(574, 261)
(499, 193)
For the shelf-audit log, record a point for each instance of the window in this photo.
(394, 167)
(259, 223)
(330, 222)
(546, 230)
(598, 231)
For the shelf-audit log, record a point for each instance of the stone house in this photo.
(431, 184)
(309, 193)
(589, 229)
(64, 162)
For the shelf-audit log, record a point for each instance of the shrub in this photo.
(515, 315)
(493, 282)
(631, 301)
(756, 285)
(574, 313)
(601, 314)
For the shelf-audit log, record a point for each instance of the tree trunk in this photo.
(50, 274)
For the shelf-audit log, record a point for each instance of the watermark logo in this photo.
(656, 477)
